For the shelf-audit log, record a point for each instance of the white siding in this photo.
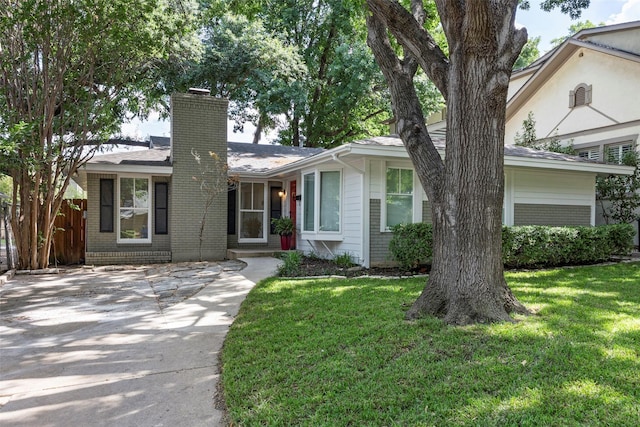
(376, 190)
(554, 188)
(351, 217)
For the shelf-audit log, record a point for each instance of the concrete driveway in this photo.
(111, 347)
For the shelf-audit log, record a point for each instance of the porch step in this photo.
(252, 253)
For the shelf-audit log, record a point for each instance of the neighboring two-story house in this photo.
(585, 93)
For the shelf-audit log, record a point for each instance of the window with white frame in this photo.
(592, 153)
(252, 212)
(399, 196)
(321, 201)
(134, 210)
(616, 153)
(309, 202)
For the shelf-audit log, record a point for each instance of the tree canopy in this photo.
(529, 53)
(338, 95)
(71, 71)
(573, 29)
(253, 68)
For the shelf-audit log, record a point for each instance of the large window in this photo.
(134, 210)
(321, 195)
(399, 196)
(252, 212)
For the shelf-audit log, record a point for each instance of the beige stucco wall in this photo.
(626, 40)
(613, 81)
(517, 81)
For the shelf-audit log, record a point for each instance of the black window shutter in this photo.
(161, 210)
(106, 205)
(231, 212)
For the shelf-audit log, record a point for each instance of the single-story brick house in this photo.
(144, 206)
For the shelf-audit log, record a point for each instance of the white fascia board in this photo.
(340, 151)
(380, 151)
(139, 169)
(598, 168)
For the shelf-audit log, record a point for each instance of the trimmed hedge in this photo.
(411, 244)
(539, 246)
(531, 246)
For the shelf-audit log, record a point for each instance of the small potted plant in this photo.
(284, 227)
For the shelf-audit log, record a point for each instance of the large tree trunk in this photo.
(466, 284)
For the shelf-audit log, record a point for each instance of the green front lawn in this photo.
(338, 352)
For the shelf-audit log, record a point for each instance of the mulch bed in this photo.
(313, 266)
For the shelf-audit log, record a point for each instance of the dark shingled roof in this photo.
(244, 157)
(257, 158)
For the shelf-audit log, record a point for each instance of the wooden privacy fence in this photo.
(69, 238)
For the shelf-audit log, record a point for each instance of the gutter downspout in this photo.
(345, 164)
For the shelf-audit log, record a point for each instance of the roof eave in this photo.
(307, 161)
(603, 169)
(606, 29)
(128, 168)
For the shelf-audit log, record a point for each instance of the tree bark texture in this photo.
(466, 284)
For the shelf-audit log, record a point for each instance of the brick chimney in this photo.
(199, 124)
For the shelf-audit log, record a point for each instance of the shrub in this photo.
(411, 244)
(529, 246)
(343, 260)
(621, 236)
(539, 246)
(291, 262)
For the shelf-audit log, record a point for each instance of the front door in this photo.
(276, 206)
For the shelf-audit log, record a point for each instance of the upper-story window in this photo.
(616, 153)
(592, 153)
(581, 95)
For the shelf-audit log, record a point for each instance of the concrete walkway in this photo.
(103, 348)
